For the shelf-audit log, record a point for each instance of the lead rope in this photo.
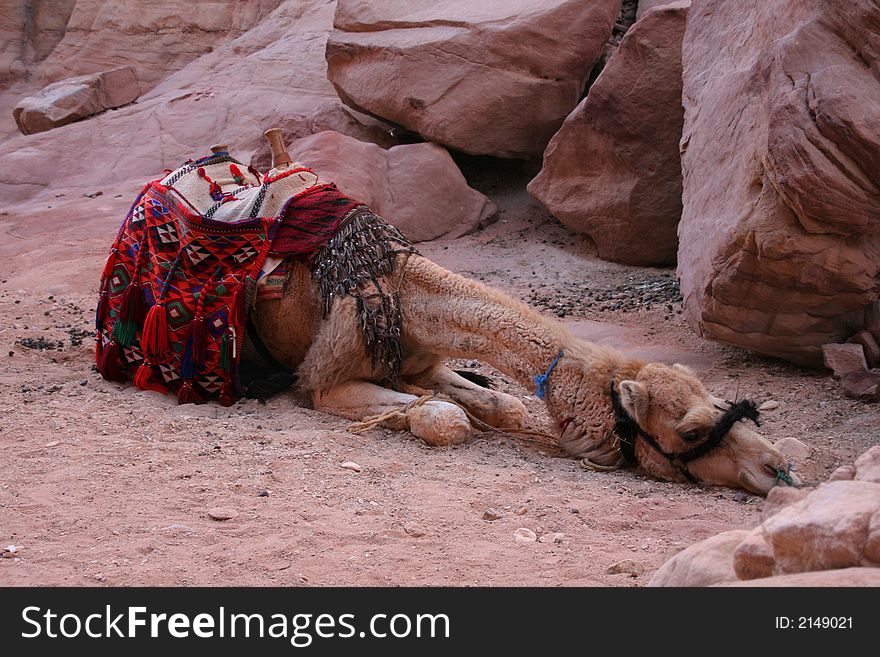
(400, 415)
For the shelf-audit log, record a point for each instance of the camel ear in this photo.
(634, 397)
(683, 368)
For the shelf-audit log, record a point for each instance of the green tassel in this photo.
(225, 361)
(124, 332)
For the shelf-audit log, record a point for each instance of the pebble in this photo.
(628, 567)
(263, 493)
(178, 528)
(740, 497)
(350, 465)
(551, 537)
(491, 514)
(53, 443)
(769, 405)
(524, 535)
(523, 510)
(792, 449)
(222, 513)
(413, 530)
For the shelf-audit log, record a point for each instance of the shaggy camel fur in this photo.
(446, 315)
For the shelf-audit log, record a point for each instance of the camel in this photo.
(589, 389)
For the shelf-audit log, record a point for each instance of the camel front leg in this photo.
(497, 409)
(436, 422)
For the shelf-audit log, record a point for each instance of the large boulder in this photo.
(702, 564)
(416, 187)
(849, 577)
(156, 38)
(76, 98)
(493, 78)
(779, 240)
(272, 74)
(613, 170)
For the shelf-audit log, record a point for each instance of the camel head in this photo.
(665, 420)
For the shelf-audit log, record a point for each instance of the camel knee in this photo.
(439, 423)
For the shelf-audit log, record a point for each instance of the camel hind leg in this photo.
(497, 409)
(436, 422)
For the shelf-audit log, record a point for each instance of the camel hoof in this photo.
(440, 424)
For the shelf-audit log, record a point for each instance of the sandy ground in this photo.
(102, 484)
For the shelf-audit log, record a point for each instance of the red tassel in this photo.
(110, 366)
(142, 379)
(227, 397)
(236, 174)
(99, 350)
(132, 306)
(199, 340)
(188, 395)
(154, 338)
(239, 311)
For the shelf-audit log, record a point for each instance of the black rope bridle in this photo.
(628, 432)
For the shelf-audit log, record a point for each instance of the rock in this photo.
(780, 497)
(702, 564)
(843, 473)
(779, 239)
(645, 5)
(867, 466)
(835, 526)
(491, 514)
(350, 465)
(769, 405)
(832, 578)
(76, 98)
(740, 497)
(186, 529)
(523, 510)
(613, 170)
(416, 187)
(844, 358)
(208, 99)
(524, 535)
(627, 567)
(263, 493)
(413, 530)
(753, 557)
(222, 513)
(792, 449)
(872, 319)
(864, 386)
(870, 346)
(552, 537)
(28, 34)
(484, 78)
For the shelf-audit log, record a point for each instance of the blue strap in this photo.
(541, 379)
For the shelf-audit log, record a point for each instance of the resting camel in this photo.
(609, 409)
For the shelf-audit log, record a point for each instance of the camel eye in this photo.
(692, 436)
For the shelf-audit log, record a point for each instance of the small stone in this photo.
(869, 345)
(222, 513)
(84, 382)
(413, 530)
(843, 473)
(179, 528)
(523, 510)
(627, 567)
(864, 386)
(844, 358)
(740, 497)
(525, 535)
(552, 537)
(792, 449)
(769, 405)
(53, 443)
(263, 493)
(491, 514)
(350, 465)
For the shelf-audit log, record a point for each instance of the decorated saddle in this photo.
(182, 274)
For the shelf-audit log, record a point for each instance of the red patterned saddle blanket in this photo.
(182, 273)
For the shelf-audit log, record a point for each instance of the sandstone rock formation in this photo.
(156, 38)
(416, 187)
(833, 529)
(779, 242)
(645, 5)
(76, 98)
(274, 73)
(613, 170)
(29, 31)
(485, 78)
